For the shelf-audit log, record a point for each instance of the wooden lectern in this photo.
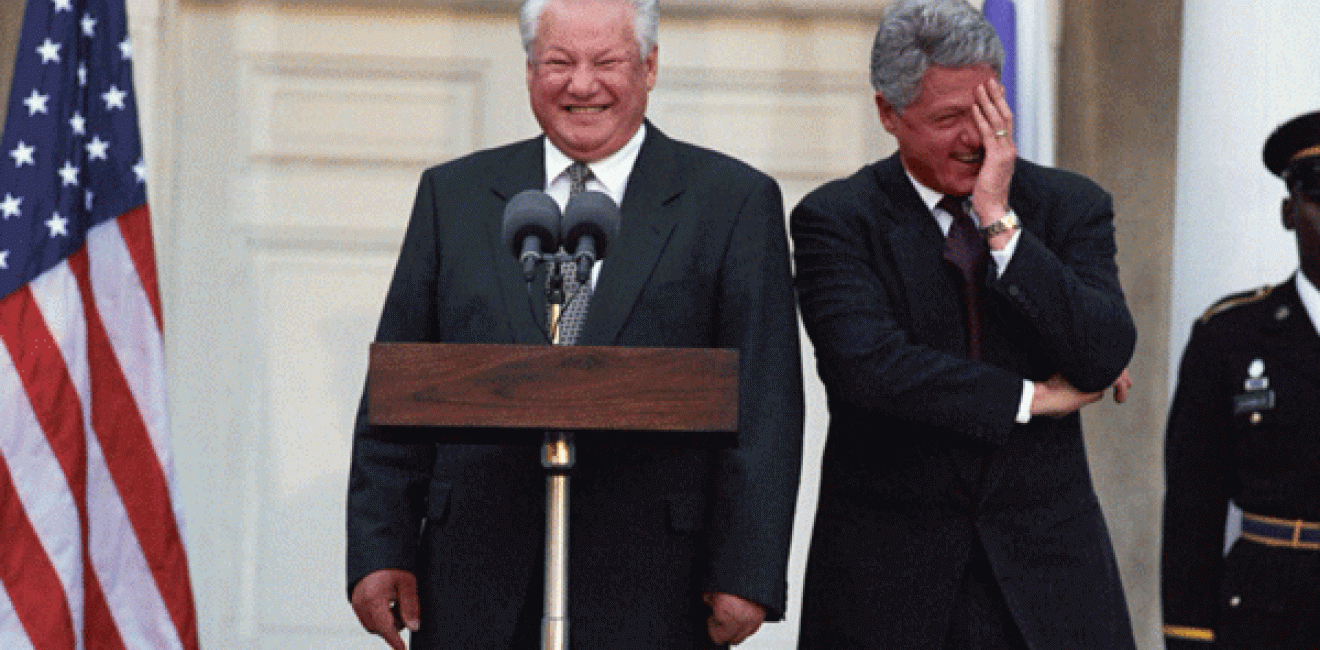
(533, 394)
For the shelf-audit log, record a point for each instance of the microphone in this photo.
(591, 222)
(531, 228)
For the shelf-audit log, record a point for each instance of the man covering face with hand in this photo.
(964, 305)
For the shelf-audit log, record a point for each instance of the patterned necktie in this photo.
(576, 294)
(966, 249)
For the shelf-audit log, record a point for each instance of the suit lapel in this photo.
(649, 214)
(525, 170)
(917, 246)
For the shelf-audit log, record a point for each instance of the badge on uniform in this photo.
(1257, 395)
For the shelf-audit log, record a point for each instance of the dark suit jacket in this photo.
(701, 260)
(1224, 444)
(923, 459)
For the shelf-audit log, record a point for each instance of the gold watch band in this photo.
(1006, 223)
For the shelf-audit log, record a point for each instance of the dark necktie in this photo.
(576, 294)
(966, 249)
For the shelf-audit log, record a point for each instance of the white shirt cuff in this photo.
(1024, 404)
(1004, 256)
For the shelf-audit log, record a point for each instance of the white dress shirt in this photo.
(1310, 299)
(608, 175)
(1001, 258)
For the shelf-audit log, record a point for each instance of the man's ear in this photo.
(1289, 213)
(888, 116)
(651, 63)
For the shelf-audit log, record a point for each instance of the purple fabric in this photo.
(1003, 16)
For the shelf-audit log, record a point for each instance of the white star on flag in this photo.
(126, 49)
(36, 103)
(49, 51)
(9, 207)
(24, 154)
(63, 5)
(114, 98)
(140, 170)
(4, 259)
(68, 173)
(79, 123)
(58, 225)
(88, 25)
(96, 149)
(82, 74)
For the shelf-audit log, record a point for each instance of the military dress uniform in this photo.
(1245, 426)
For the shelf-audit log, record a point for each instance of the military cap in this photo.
(1297, 139)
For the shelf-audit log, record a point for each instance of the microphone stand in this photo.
(558, 455)
(531, 216)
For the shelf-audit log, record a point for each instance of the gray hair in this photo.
(916, 34)
(644, 22)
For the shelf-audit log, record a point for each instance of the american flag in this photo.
(92, 553)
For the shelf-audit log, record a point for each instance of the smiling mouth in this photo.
(970, 158)
(585, 109)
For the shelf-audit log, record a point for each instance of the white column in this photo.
(1247, 67)
(1037, 51)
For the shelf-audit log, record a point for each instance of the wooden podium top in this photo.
(553, 387)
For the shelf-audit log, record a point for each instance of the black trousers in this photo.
(527, 633)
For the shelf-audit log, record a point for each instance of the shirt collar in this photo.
(1310, 299)
(611, 172)
(931, 198)
(928, 196)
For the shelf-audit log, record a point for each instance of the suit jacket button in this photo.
(1234, 601)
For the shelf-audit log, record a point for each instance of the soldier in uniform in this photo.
(1245, 426)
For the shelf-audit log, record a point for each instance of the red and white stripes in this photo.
(94, 553)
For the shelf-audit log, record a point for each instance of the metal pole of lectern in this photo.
(557, 457)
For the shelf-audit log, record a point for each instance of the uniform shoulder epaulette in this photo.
(1236, 300)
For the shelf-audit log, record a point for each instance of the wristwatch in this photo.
(1006, 223)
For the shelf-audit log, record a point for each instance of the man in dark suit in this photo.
(956, 506)
(1244, 427)
(670, 547)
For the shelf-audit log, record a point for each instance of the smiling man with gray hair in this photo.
(672, 548)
